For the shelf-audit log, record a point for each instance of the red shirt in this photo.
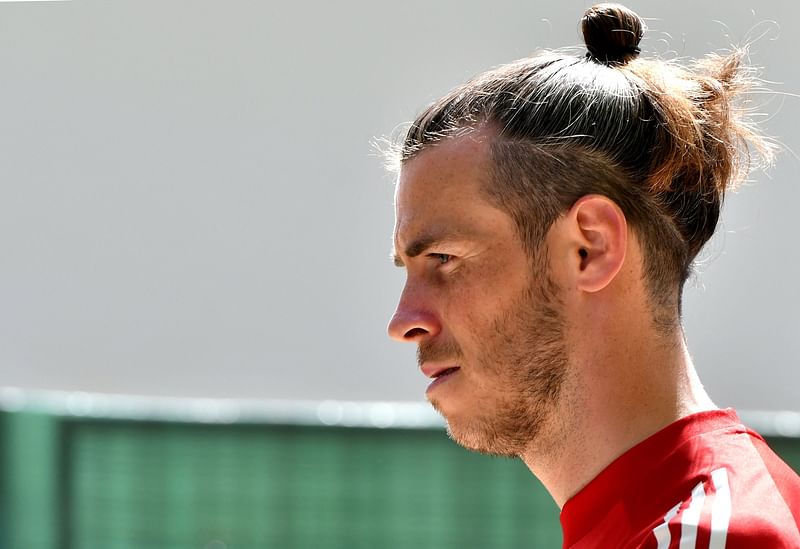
(704, 482)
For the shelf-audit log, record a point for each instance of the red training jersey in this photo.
(703, 482)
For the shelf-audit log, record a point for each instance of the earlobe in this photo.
(600, 239)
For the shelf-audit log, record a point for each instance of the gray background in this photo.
(190, 205)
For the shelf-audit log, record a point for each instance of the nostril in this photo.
(410, 324)
(414, 332)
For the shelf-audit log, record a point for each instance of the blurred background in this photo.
(195, 282)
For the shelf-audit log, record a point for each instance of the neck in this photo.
(615, 396)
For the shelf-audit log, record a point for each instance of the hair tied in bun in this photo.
(612, 33)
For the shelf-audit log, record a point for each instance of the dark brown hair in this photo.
(663, 141)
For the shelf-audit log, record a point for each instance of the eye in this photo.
(442, 258)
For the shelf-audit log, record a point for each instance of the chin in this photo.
(478, 435)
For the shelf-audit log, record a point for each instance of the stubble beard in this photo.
(524, 359)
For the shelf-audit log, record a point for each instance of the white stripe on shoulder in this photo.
(720, 509)
(691, 518)
(661, 532)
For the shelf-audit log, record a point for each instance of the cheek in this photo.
(468, 296)
(476, 296)
(499, 288)
(475, 313)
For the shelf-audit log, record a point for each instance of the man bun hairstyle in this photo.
(612, 33)
(665, 141)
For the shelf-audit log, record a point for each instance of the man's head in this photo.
(489, 171)
(668, 140)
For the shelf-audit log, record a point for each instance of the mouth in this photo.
(445, 372)
(440, 375)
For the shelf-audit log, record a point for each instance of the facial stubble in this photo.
(524, 360)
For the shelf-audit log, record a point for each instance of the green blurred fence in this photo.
(71, 482)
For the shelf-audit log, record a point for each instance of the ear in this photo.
(598, 239)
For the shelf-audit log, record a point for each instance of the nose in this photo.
(413, 320)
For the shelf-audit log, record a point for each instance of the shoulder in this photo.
(753, 500)
(736, 506)
(713, 518)
(748, 531)
(764, 500)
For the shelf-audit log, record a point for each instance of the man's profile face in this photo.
(484, 315)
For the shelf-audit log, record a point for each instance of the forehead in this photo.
(465, 157)
(440, 192)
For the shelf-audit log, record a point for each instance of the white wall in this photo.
(189, 204)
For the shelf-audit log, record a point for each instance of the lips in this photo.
(435, 371)
(439, 374)
(446, 372)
